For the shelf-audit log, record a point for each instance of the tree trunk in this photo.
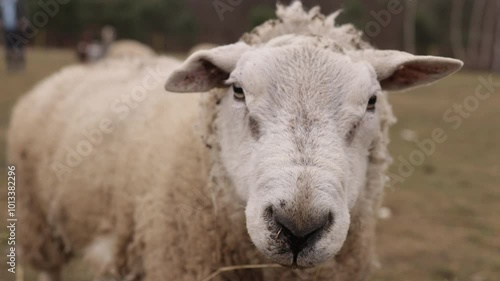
(409, 25)
(456, 29)
(487, 36)
(495, 65)
(475, 32)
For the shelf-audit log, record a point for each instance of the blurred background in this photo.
(466, 29)
(440, 223)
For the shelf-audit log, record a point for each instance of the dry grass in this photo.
(446, 221)
(239, 267)
(446, 216)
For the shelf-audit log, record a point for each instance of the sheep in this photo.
(128, 48)
(201, 46)
(278, 154)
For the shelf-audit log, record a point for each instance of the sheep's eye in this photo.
(371, 103)
(239, 94)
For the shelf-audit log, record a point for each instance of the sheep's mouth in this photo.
(292, 260)
(285, 257)
(279, 248)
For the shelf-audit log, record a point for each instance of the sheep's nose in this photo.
(304, 229)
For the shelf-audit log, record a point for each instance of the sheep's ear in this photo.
(400, 71)
(205, 69)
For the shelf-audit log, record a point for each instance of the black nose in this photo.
(303, 229)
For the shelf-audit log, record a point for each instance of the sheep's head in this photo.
(296, 127)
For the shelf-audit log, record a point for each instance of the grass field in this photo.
(445, 223)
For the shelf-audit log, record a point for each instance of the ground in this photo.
(445, 223)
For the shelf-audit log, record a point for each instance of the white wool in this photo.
(100, 254)
(129, 48)
(294, 19)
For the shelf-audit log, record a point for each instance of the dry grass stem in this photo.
(238, 267)
(278, 234)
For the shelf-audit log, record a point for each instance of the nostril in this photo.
(302, 226)
(300, 231)
(269, 214)
(329, 222)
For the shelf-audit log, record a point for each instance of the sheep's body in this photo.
(118, 222)
(115, 212)
(151, 201)
(92, 206)
(134, 214)
(128, 48)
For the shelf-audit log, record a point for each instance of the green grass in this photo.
(446, 215)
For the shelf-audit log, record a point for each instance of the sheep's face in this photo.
(296, 128)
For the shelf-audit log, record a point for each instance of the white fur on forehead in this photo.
(294, 19)
(285, 69)
(306, 40)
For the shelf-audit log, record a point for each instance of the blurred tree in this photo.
(260, 14)
(426, 36)
(456, 29)
(487, 36)
(353, 12)
(475, 44)
(409, 25)
(475, 30)
(168, 16)
(495, 64)
(467, 29)
(131, 19)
